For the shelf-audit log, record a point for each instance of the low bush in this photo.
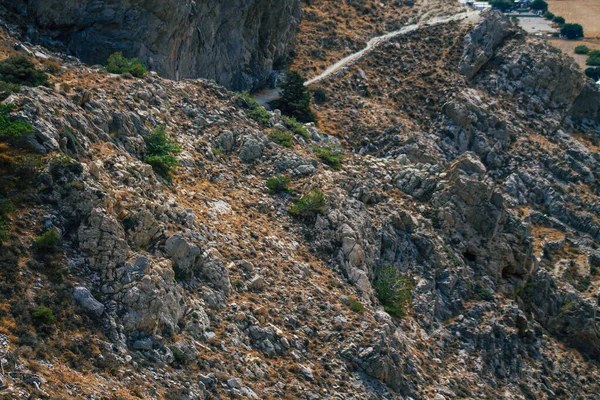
(10, 127)
(548, 15)
(593, 61)
(252, 109)
(593, 73)
(356, 306)
(539, 5)
(6, 89)
(279, 184)
(582, 49)
(292, 124)
(43, 315)
(309, 205)
(394, 291)
(281, 137)
(119, 64)
(320, 96)
(47, 243)
(559, 20)
(160, 152)
(21, 70)
(333, 158)
(483, 293)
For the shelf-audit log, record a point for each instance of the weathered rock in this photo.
(87, 301)
(103, 240)
(481, 42)
(236, 43)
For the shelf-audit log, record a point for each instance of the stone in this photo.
(87, 301)
(143, 344)
(234, 383)
(257, 283)
(251, 150)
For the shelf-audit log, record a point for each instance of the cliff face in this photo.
(235, 42)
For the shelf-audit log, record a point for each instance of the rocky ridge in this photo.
(205, 286)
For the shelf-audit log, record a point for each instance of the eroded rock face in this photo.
(234, 42)
(481, 43)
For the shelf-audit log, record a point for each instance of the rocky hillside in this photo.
(235, 43)
(451, 252)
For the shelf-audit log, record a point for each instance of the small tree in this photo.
(582, 49)
(539, 5)
(559, 20)
(295, 99)
(572, 31)
(160, 152)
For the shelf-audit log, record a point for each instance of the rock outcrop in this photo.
(236, 43)
(482, 42)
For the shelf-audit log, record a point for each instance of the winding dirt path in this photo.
(267, 95)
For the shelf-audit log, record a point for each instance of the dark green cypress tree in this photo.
(295, 98)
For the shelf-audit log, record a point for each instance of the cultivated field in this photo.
(584, 12)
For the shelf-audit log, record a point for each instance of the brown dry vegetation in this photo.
(584, 12)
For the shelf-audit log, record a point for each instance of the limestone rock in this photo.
(235, 42)
(87, 301)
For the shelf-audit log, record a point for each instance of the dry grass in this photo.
(584, 12)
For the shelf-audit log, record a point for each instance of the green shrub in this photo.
(6, 207)
(292, 124)
(502, 4)
(48, 242)
(295, 99)
(160, 152)
(548, 15)
(281, 137)
(571, 31)
(483, 293)
(593, 61)
(119, 64)
(356, 306)
(582, 49)
(309, 205)
(330, 157)
(320, 96)
(394, 291)
(43, 315)
(559, 20)
(21, 70)
(540, 5)
(6, 89)
(12, 127)
(4, 233)
(279, 184)
(594, 53)
(252, 109)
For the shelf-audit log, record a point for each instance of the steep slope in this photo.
(470, 173)
(236, 43)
